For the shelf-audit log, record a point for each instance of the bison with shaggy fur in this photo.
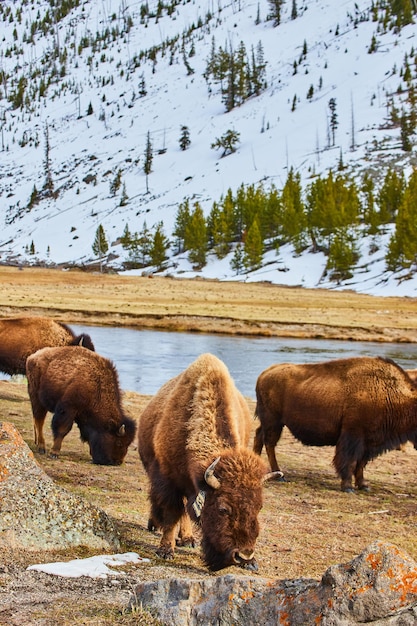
(78, 385)
(22, 336)
(364, 406)
(192, 440)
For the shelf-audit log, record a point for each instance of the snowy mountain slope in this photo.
(87, 150)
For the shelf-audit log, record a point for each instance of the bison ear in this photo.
(209, 476)
(272, 475)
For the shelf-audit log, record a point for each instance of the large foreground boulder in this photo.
(378, 587)
(35, 513)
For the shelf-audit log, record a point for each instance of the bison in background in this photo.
(192, 439)
(364, 406)
(78, 385)
(22, 336)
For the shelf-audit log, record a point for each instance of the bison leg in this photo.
(167, 509)
(185, 534)
(348, 450)
(39, 414)
(38, 421)
(62, 422)
(359, 479)
(258, 442)
(270, 439)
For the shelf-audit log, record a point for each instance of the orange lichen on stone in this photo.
(4, 473)
(284, 619)
(247, 595)
(405, 586)
(374, 560)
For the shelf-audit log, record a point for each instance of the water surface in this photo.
(146, 359)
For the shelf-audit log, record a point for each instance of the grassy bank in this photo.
(207, 306)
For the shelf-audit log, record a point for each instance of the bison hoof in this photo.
(151, 525)
(348, 490)
(186, 542)
(364, 488)
(165, 552)
(53, 455)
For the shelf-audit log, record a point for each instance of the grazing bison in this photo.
(364, 406)
(78, 385)
(192, 440)
(21, 336)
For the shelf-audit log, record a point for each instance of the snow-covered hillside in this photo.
(98, 119)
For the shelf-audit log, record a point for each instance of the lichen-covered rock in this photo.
(378, 587)
(35, 513)
(380, 582)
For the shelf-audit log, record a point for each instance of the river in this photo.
(146, 359)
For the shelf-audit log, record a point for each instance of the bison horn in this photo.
(209, 476)
(272, 475)
(122, 430)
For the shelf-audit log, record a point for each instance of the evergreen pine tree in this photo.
(242, 74)
(182, 220)
(147, 166)
(196, 237)
(34, 198)
(402, 248)
(390, 196)
(406, 143)
(126, 238)
(100, 245)
(49, 185)
(32, 248)
(370, 215)
(116, 183)
(230, 91)
(293, 212)
(185, 140)
(228, 142)
(124, 198)
(159, 246)
(253, 247)
(144, 244)
(294, 12)
(275, 7)
(343, 255)
(333, 119)
(220, 231)
(236, 262)
(142, 86)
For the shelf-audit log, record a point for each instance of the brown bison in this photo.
(364, 406)
(21, 336)
(78, 385)
(192, 440)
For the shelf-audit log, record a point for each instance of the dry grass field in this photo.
(307, 524)
(211, 306)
